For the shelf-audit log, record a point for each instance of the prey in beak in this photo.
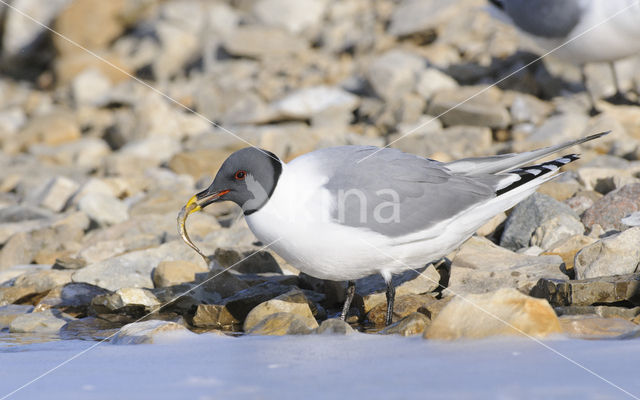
(196, 203)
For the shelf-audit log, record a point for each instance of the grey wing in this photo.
(506, 162)
(395, 194)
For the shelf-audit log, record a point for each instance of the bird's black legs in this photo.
(351, 290)
(391, 296)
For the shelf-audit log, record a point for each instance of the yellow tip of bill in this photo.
(192, 205)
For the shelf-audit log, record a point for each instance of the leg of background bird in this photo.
(593, 111)
(351, 290)
(616, 83)
(391, 296)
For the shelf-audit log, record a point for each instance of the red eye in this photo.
(240, 175)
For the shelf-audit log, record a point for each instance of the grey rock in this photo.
(431, 81)
(586, 292)
(601, 311)
(555, 130)
(148, 332)
(71, 296)
(10, 312)
(106, 249)
(20, 33)
(134, 269)
(48, 321)
(610, 209)
(334, 326)
(632, 219)
(418, 16)
(480, 266)
(457, 107)
(529, 215)
(126, 299)
(247, 261)
(260, 41)
(613, 255)
(104, 210)
(43, 281)
(294, 15)
(307, 102)
(92, 328)
(556, 230)
(57, 193)
(394, 73)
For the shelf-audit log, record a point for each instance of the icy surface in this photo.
(357, 367)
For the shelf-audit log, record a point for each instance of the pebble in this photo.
(10, 312)
(334, 326)
(481, 266)
(413, 324)
(531, 213)
(610, 209)
(617, 254)
(169, 273)
(48, 321)
(585, 292)
(293, 302)
(149, 332)
(133, 269)
(283, 323)
(593, 327)
(57, 193)
(475, 318)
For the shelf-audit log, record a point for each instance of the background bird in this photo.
(579, 30)
(343, 213)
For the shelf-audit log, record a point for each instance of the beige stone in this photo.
(293, 302)
(169, 273)
(283, 323)
(503, 312)
(592, 327)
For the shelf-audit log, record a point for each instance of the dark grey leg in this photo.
(351, 290)
(593, 111)
(391, 296)
(616, 83)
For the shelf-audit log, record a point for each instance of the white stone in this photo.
(149, 332)
(432, 80)
(91, 87)
(293, 15)
(307, 102)
(103, 209)
(57, 193)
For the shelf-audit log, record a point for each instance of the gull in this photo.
(338, 214)
(612, 29)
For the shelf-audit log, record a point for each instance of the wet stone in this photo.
(334, 326)
(413, 324)
(283, 323)
(49, 321)
(148, 332)
(404, 306)
(10, 312)
(294, 302)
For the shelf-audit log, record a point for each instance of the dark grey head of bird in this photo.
(247, 177)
